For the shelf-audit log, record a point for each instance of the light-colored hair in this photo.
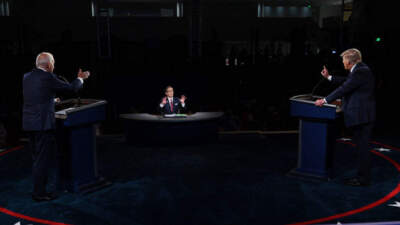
(43, 59)
(353, 55)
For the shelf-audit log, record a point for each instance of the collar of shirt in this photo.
(40, 68)
(352, 68)
(171, 100)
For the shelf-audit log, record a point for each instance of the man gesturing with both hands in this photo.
(170, 104)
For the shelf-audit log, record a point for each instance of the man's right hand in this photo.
(325, 72)
(164, 101)
(320, 102)
(83, 75)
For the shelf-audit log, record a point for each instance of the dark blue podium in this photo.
(317, 132)
(76, 138)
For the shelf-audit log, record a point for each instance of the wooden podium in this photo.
(317, 132)
(76, 138)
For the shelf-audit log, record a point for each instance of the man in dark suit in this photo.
(39, 89)
(170, 104)
(358, 105)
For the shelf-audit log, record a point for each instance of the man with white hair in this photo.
(39, 89)
(358, 105)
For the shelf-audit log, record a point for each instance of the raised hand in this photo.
(183, 99)
(164, 101)
(325, 72)
(83, 75)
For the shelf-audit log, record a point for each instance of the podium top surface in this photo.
(303, 106)
(75, 105)
(146, 117)
(310, 99)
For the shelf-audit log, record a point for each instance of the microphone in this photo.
(63, 79)
(79, 102)
(316, 86)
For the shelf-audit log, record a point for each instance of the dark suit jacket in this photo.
(358, 95)
(177, 107)
(39, 89)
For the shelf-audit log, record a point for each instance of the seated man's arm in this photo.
(163, 102)
(182, 100)
(161, 108)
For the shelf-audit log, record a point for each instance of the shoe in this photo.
(356, 182)
(45, 197)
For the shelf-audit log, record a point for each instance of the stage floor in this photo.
(240, 180)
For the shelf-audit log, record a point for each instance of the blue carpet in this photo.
(239, 180)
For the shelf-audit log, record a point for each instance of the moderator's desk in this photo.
(143, 128)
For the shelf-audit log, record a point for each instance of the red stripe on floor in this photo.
(21, 216)
(11, 150)
(32, 219)
(325, 219)
(367, 207)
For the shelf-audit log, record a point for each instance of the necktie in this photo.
(171, 104)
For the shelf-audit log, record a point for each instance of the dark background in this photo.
(135, 48)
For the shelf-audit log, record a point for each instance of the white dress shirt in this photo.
(171, 100)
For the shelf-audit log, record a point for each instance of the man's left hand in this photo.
(183, 99)
(320, 102)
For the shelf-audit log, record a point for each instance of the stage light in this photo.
(378, 39)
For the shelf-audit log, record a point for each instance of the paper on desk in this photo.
(175, 115)
(169, 115)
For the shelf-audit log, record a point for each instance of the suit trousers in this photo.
(362, 134)
(43, 147)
